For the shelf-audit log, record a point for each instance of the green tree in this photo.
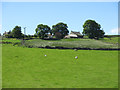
(16, 32)
(100, 34)
(35, 35)
(9, 35)
(42, 31)
(92, 29)
(61, 28)
(58, 35)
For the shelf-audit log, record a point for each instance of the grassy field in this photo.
(74, 43)
(29, 68)
(12, 40)
(113, 40)
(0, 66)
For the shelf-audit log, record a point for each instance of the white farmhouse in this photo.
(74, 34)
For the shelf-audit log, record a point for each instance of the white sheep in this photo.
(76, 57)
(75, 49)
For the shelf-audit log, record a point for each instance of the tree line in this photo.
(90, 28)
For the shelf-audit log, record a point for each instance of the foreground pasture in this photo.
(30, 68)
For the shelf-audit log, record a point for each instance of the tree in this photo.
(35, 35)
(9, 34)
(92, 29)
(100, 34)
(16, 32)
(61, 28)
(42, 31)
(58, 35)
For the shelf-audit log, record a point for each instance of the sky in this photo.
(74, 14)
(60, 0)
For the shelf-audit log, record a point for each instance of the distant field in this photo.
(113, 40)
(74, 43)
(29, 68)
(12, 40)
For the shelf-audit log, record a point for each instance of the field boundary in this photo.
(48, 47)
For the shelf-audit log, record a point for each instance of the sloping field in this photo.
(30, 68)
(71, 43)
(113, 40)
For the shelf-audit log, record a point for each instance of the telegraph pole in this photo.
(24, 35)
(24, 32)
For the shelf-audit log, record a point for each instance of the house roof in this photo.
(77, 33)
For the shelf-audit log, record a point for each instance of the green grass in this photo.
(113, 40)
(29, 68)
(0, 66)
(12, 40)
(72, 43)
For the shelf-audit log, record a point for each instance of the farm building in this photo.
(5, 33)
(50, 36)
(74, 34)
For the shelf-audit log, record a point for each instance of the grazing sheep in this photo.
(45, 55)
(75, 49)
(76, 57)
